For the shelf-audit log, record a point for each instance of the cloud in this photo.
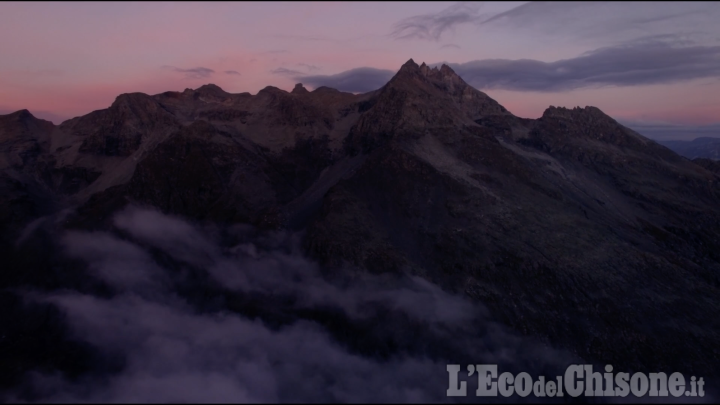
(638, 63)
(232, 72)
(359, 80)
(115, 261)
(293, 72)
(286, 72)
(194, 73)
(611, 23)
(433, 26)
(642, 62)
(229, 314)
(597, 22)
(310, 68)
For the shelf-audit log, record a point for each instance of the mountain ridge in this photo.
(570, 228)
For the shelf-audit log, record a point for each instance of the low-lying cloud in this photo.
(633, 64)
(229, 314)
(286, 72)
(193, 73)
(309, 67)
(626, 65)
(359, 80)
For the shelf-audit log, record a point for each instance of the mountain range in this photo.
(698, 148)
(570, 229)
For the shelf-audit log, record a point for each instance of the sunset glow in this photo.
(61, 60)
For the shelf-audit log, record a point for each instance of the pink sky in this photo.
(61, 60)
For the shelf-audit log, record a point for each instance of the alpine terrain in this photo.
(368, 222)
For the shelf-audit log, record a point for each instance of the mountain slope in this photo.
(558, 233)
(571, 228)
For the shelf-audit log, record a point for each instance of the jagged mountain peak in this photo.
(447, 75)
(325, 89)
(563, 112)
(444, 73)
(130, 98)
(23, 121)
(418, 99)
(23, 115)
(581, 118)
(569, 129)
(299, 89)
(208, 92)
(139, 105)
(211, 89)
(22, 137)
(120, 129)
(443, 82)
(446, 70)
(271, 90)
(209, 86)
(411, 77)
(410, 65)
(425, 69)
(410, 70)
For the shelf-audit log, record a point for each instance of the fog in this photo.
(210, 313)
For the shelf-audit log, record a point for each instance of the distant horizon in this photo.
(656, 130)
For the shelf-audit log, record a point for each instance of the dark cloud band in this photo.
(193, 73)
(638, 63)
(286, 72)
(630, 65)
(360, 80)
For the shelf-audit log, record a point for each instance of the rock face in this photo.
(121, 129)
(570, 228)
(420, 100)
(30, 183)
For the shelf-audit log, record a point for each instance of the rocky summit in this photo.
(571, 229)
